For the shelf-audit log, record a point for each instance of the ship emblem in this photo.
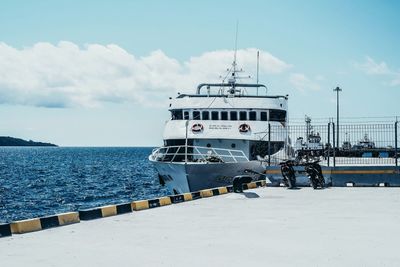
(197, 128)
(244, 128)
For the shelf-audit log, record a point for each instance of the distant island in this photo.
(11, 141)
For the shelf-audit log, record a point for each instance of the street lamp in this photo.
(337, 90)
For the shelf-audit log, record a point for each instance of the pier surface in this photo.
(262, 227)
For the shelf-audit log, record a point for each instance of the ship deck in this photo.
(273, 226)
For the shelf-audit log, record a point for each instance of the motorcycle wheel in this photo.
(291, 182)
(313, 183)
(321, 181)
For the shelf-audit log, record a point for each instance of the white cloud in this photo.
(66, 75)
(302, 82)
(395, 81)
(371, 67)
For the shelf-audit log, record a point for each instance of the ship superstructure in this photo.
(218, 132)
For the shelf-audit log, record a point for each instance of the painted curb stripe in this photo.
(222, 190)
(273, 172)
(124, 208)
(49, 222)
(68, 218)
(26, 226)
(140, 205)
(215, 192)
(90, 214)
(107, 211)
(363, 172)
(164, 201)
(5, 230)
(206, 193)
(195, 195)
(177, 198)
(187, 196)
(230, 189)
(245, 186)
(154, 203)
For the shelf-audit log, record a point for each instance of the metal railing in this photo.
(359, 143)
(198, 154)
(396, 136)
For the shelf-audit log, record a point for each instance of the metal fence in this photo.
(354, 144)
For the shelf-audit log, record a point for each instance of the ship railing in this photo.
(198, 154)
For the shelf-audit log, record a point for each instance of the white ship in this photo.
(218, 132)
(312, 143)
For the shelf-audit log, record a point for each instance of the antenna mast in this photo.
(258, 64)
(236, 38)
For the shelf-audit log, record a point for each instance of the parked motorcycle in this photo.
(288, 174)
(314, 173)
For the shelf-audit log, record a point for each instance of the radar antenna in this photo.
(236, 38)
(232, 72)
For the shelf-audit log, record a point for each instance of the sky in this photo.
(99, 73)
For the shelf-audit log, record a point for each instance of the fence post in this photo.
(329, 143)
(395, 142)
(269, 144)
(334, 145)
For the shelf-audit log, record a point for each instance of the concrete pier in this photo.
(262, 227)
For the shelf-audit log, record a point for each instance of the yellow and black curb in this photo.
(152, 203)
(104, 211)
(36, 224)
(254, 185)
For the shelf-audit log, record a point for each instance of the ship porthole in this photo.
(208, 145)
(233, 145)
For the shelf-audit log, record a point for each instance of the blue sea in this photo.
(40, 181)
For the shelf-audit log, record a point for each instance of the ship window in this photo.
(224, 115)
(233, 115)
(205, 115)
(176, 114)
(263, 116)
(243, 115)
(196, 115)
(186, 115)
(277, 115)
(214, 115)
(233, 145)
(252, 115)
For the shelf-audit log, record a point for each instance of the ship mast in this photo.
(308, 127)
(232, 79)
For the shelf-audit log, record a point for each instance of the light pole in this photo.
(337, 90)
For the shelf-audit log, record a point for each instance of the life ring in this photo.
(197, 128)
(244, 128)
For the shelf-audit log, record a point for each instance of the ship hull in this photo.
(191, 177)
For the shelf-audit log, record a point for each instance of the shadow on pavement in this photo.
(250, 195)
